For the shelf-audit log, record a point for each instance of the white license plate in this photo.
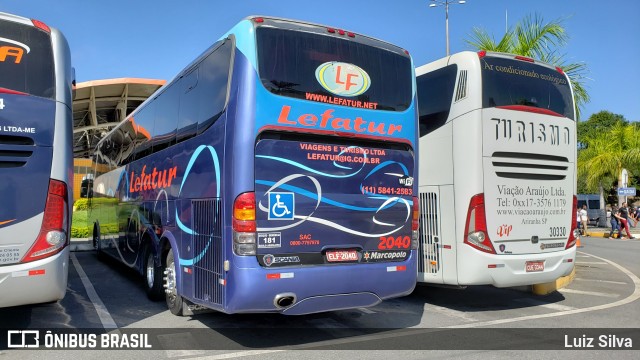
(342, 255)
(534, 266)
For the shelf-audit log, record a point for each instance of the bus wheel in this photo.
(174, 300)
(153, 276)
(96, 242)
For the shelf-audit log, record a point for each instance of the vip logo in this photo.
(342, 78)
(504, 230)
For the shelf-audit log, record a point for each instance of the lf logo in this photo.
(342, 78)
(281, 206)
(23, 338)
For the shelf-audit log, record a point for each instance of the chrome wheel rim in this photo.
(150, 270)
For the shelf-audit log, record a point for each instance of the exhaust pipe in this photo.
(284, 300)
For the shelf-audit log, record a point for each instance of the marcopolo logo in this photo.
(343, 79)
(552, 245)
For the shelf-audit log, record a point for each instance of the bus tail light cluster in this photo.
(475, 232)
(244, 224)
(40, 25)
(415, 223)
(53, 232)
(574, 233)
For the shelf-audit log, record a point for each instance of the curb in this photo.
(81, 245)
(548, 288)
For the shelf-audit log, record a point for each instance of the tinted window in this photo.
(288, 62)
(166, 119)
(188, 118)
(594, 204)
(143, 122)
(435, 92)
(213, 78)
(26, 59)
(513, 82)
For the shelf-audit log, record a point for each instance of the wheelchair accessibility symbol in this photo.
(281, 206)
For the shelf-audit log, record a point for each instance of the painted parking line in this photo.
(449, 312)
(105, 318)
(591, 293)
(544, 304)
(366, 311)
(602, 281)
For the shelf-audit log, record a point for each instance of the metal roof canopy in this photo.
(100, 105)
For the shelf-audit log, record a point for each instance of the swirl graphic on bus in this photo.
(183, 227)
(282, 184)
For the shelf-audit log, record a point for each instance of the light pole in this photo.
(445, 3)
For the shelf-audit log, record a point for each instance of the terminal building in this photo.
(98, 106)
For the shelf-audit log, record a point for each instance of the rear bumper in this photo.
(319, 288)
(35, 282)
(510, 270)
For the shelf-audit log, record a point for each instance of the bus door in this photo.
(430, 246)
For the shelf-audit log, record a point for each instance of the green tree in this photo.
(534, 38)
(599, 122)
(607, 153)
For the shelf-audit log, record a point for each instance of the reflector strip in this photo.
(36, 272)
(396, 268)
(495, 266)
(188, 270)
(222, 282)
(446, 247)
(567, 260)
(280, 276)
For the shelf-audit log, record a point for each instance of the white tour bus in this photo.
(497, 171)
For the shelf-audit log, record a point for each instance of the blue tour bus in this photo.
(36, 161)
(275, 173)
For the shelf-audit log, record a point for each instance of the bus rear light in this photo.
(52, 237)
(524, 58)
(258, 20)
(482, 54)
(244, 224)
(415, 223)
(341, 32)
(574, 233)
(331, 30)
(350, 34)
(560, 70)
(40, 25)
(531, 109)
(476, 234)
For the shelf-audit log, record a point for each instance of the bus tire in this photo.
(152, 275)
(96, 242)
(174, 300)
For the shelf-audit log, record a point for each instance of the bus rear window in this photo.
(328, 69)
(26, 60)
(508, 82)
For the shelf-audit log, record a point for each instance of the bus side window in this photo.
(166, 117)
(435, 94)
(143, 125)
(188, 116)
(213, 81)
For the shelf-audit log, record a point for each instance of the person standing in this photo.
(615, 223)
(584, 218)
(578, 219)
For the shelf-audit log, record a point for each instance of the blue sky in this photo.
(156, 39)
